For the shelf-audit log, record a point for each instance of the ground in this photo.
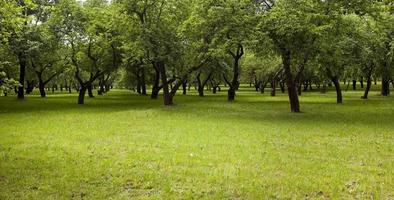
(124, 146)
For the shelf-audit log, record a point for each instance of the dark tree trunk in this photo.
(155, 87)
(22, 70)
(282, 86)
(231, 94)
(69, 89)
(369, 84)
(184, 87)
(234, 84)
(167, 97)
(338, 89)
(29, 87)
(273, 87)
(385, 87)
(200, 87)
(291, 83)
(90, 90)
(362, 82)
(354, 84)
(81, 96)
(41, 87)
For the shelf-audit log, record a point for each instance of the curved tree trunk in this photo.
(338, 89)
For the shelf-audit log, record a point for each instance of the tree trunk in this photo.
(369, 84)
(338, 89)
(167, 97)
(81, 96)
(22, 71)
(155, 87)
(41, 87)
(143, 82)
(385, 87)
(282, 87)
(362, 82)
(184, 87)
(291, 84)
(231, 94)
(354, 84)
(90, 90)
(273, 87)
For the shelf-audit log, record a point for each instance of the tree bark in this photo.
(184, 87)
(291, 84)
(338, 89)
(385, 87)
(167, 97)
(41, 87)
(81, 96)
(90, 90)
(273, 87)
(155, 87)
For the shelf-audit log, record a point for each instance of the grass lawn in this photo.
(124, 146)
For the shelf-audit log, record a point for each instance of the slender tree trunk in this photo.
(338, 89)
(184, 87)
(354, 84)
(282, 87)
(155, 87)
(369, 84)
(291, 84)
(273, 87)
(362, 82)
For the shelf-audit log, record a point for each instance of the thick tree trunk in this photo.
(385, 87)
(81, 96)
(291, 84)
(90, 90)
(41, 87)
(231, 94)
(22, 71)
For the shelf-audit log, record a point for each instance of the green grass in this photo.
(124, 146)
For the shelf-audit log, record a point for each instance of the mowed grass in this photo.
(125, 146)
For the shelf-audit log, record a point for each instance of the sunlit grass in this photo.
(124, 146)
